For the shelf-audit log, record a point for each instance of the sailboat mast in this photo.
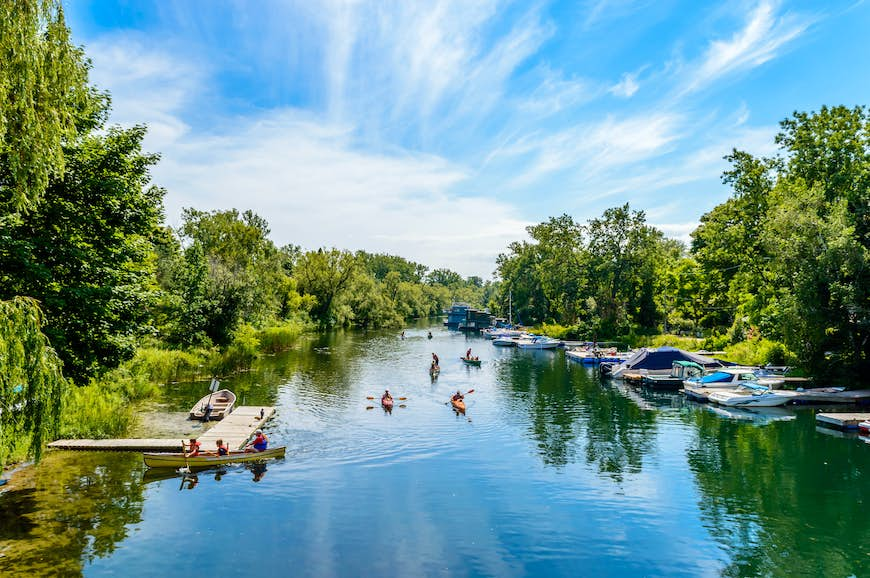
(510, 307)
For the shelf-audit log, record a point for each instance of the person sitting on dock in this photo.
(194, 448)
(259, 443)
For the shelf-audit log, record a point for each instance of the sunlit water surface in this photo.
(551, 472)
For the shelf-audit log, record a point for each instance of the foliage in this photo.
(43, 99)
(31, 384)
(280, 337)
(85, 253)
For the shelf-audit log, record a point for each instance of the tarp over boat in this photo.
(664, 358)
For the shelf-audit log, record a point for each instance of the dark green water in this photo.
(550, 473)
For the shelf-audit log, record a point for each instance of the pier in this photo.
(235, 430)
(842, 420)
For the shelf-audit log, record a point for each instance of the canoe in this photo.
(387, 403)
(470, 361)
(458, 405)
(222, 402)
(154, 460)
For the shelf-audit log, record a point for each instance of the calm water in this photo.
(550, 473)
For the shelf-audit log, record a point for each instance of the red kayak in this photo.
(387, 402)
(458, 405)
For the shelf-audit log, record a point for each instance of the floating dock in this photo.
(842, 420)
(235, 430)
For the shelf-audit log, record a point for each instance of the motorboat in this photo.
(730, 377)
(658, 361)
(594, 356)
(749, 394)
(538, 342)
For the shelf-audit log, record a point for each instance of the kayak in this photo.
(387, 403)
(470, 361)
(155, 460)
(458, 405)
(434, 371)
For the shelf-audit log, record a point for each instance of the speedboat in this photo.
(749, 394)
(730, 377)
(538, 342)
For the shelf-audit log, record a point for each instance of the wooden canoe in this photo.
(458, 405)
(222, 402)
(470, 361)
(154, 460)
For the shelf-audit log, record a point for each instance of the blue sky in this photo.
(439, 130)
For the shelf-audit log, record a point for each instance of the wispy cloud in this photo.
(764, 34)
(626, 87)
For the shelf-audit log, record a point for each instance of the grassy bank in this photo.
(107, 406)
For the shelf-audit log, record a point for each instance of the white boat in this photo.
(751, 394)
(538, 342)
(731, 377)
(505, 341)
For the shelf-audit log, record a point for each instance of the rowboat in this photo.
(222, 405)
(467, 361)
(154, 460)
(458, 405)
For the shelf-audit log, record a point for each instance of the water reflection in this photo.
(77, 510)
(782, 500)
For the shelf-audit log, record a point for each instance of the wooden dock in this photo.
(235, 430)
(238, 427)
(842, 420)
(125, 445)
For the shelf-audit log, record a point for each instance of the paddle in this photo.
(399, 398)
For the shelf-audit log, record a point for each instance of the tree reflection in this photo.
(783, 500)
(68, 510)
(565, 401)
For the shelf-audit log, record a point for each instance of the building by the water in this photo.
(464, 317)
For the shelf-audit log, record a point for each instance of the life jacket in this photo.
(194, 449)
(260, 443)
(223, 450)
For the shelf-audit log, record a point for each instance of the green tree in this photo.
(43, 92)
(86, 253)
(325, 274)
(31, 382)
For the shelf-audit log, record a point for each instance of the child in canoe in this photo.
(259, 443)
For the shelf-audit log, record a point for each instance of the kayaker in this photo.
(386, 396)
(259, 443)
(193, 448)
(468, 354)
(435, 359)
(457, 396)
(429, 335)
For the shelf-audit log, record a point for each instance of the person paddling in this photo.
(193, 448)
(259, 443)
(457, 396)
(468, 354)
(387, 399)
(435, 359)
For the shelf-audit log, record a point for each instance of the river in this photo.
(551, 472)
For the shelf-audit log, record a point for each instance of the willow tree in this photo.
(43, 93)
(31, 382)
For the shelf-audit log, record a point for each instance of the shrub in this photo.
(280, 337)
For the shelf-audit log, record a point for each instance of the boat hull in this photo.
(155, 460)
(466, 361)
(728, 398)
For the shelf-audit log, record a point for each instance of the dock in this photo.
(235, 430)
(238, 427)
(842, 420)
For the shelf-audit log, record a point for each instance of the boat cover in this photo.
(664, 358)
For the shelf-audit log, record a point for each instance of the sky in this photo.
(440, 130)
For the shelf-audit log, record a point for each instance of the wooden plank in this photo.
(842, 420)
(120, 445)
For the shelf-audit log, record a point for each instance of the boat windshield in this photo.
(716, 377)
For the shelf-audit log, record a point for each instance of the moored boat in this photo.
(751, 395)
(176, 460)
(537, 342)
(221, 402)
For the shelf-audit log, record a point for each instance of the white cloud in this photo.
(764, 34)
(626, 87)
